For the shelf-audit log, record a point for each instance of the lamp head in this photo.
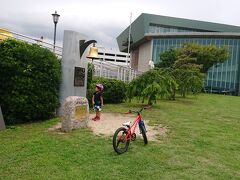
(55, 17)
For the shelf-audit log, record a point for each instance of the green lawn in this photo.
(203, 142)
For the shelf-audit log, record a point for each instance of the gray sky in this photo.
(104, 20)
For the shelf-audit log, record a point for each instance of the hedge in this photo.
(114, 90)
(29, 82)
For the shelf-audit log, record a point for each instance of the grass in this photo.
(203, 142)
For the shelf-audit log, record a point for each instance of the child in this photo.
(97, 101)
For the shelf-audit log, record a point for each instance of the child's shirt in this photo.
(97, 98)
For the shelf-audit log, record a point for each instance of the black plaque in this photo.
(79, 76)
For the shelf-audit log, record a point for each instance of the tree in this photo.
(187, 75)
(206, 55)
(151, 85)
(190, 63)
(167, 59)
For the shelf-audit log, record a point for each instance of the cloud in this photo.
(104, 20)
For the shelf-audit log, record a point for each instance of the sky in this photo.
(104, 20)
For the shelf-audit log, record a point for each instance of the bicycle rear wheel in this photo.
(143, 132)
(120, 144)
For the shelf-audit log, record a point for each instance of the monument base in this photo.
(75, 113)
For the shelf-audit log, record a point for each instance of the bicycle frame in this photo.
(132, 128)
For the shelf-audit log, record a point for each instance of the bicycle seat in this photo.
(127, 124)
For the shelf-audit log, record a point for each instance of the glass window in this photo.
(169, 42)
(166, 42)
(234, 56)
(227, 85)
(222, 42)
(155, 41)
(162, 41)
(228, 76)
(151, 29)
(174, 43)
(235, 42)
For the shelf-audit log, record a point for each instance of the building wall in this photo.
(224, 76)
(134, 58)
(144, 56)
(154, 34)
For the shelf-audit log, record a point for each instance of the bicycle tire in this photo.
(116, 142)
(143, 132)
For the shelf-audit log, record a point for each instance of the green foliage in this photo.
(187, 75)
(190, 63)
(151, 85)
(114, 90)
(206, 55)
(188, 81)
(167, 58)
(90, 74)
(29, 81)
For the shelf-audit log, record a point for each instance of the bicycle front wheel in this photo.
(120, 144)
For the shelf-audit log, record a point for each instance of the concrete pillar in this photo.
(70, 60)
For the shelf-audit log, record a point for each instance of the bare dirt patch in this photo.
(111, 121)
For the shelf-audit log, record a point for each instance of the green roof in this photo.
(140, 26)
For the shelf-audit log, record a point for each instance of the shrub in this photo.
(29, 81)
(152, 84)
(90, 74)
(114, 90)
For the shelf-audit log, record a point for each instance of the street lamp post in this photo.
(55, 21)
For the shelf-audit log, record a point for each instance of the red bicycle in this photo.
(123, 135)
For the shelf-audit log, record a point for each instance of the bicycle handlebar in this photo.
(138, 112)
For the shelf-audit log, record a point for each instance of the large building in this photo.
(114, 57)
(152, 35)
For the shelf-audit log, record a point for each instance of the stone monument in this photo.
(75, 113)
(2, 124)
(74, 68)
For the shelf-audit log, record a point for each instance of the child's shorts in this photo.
(97, 108)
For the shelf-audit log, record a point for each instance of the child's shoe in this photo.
(97, 119)
(94, 119)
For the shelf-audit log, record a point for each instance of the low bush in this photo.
(114, 90)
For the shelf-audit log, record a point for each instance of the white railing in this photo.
(113, 71)
(32, 40)
(102, 68)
